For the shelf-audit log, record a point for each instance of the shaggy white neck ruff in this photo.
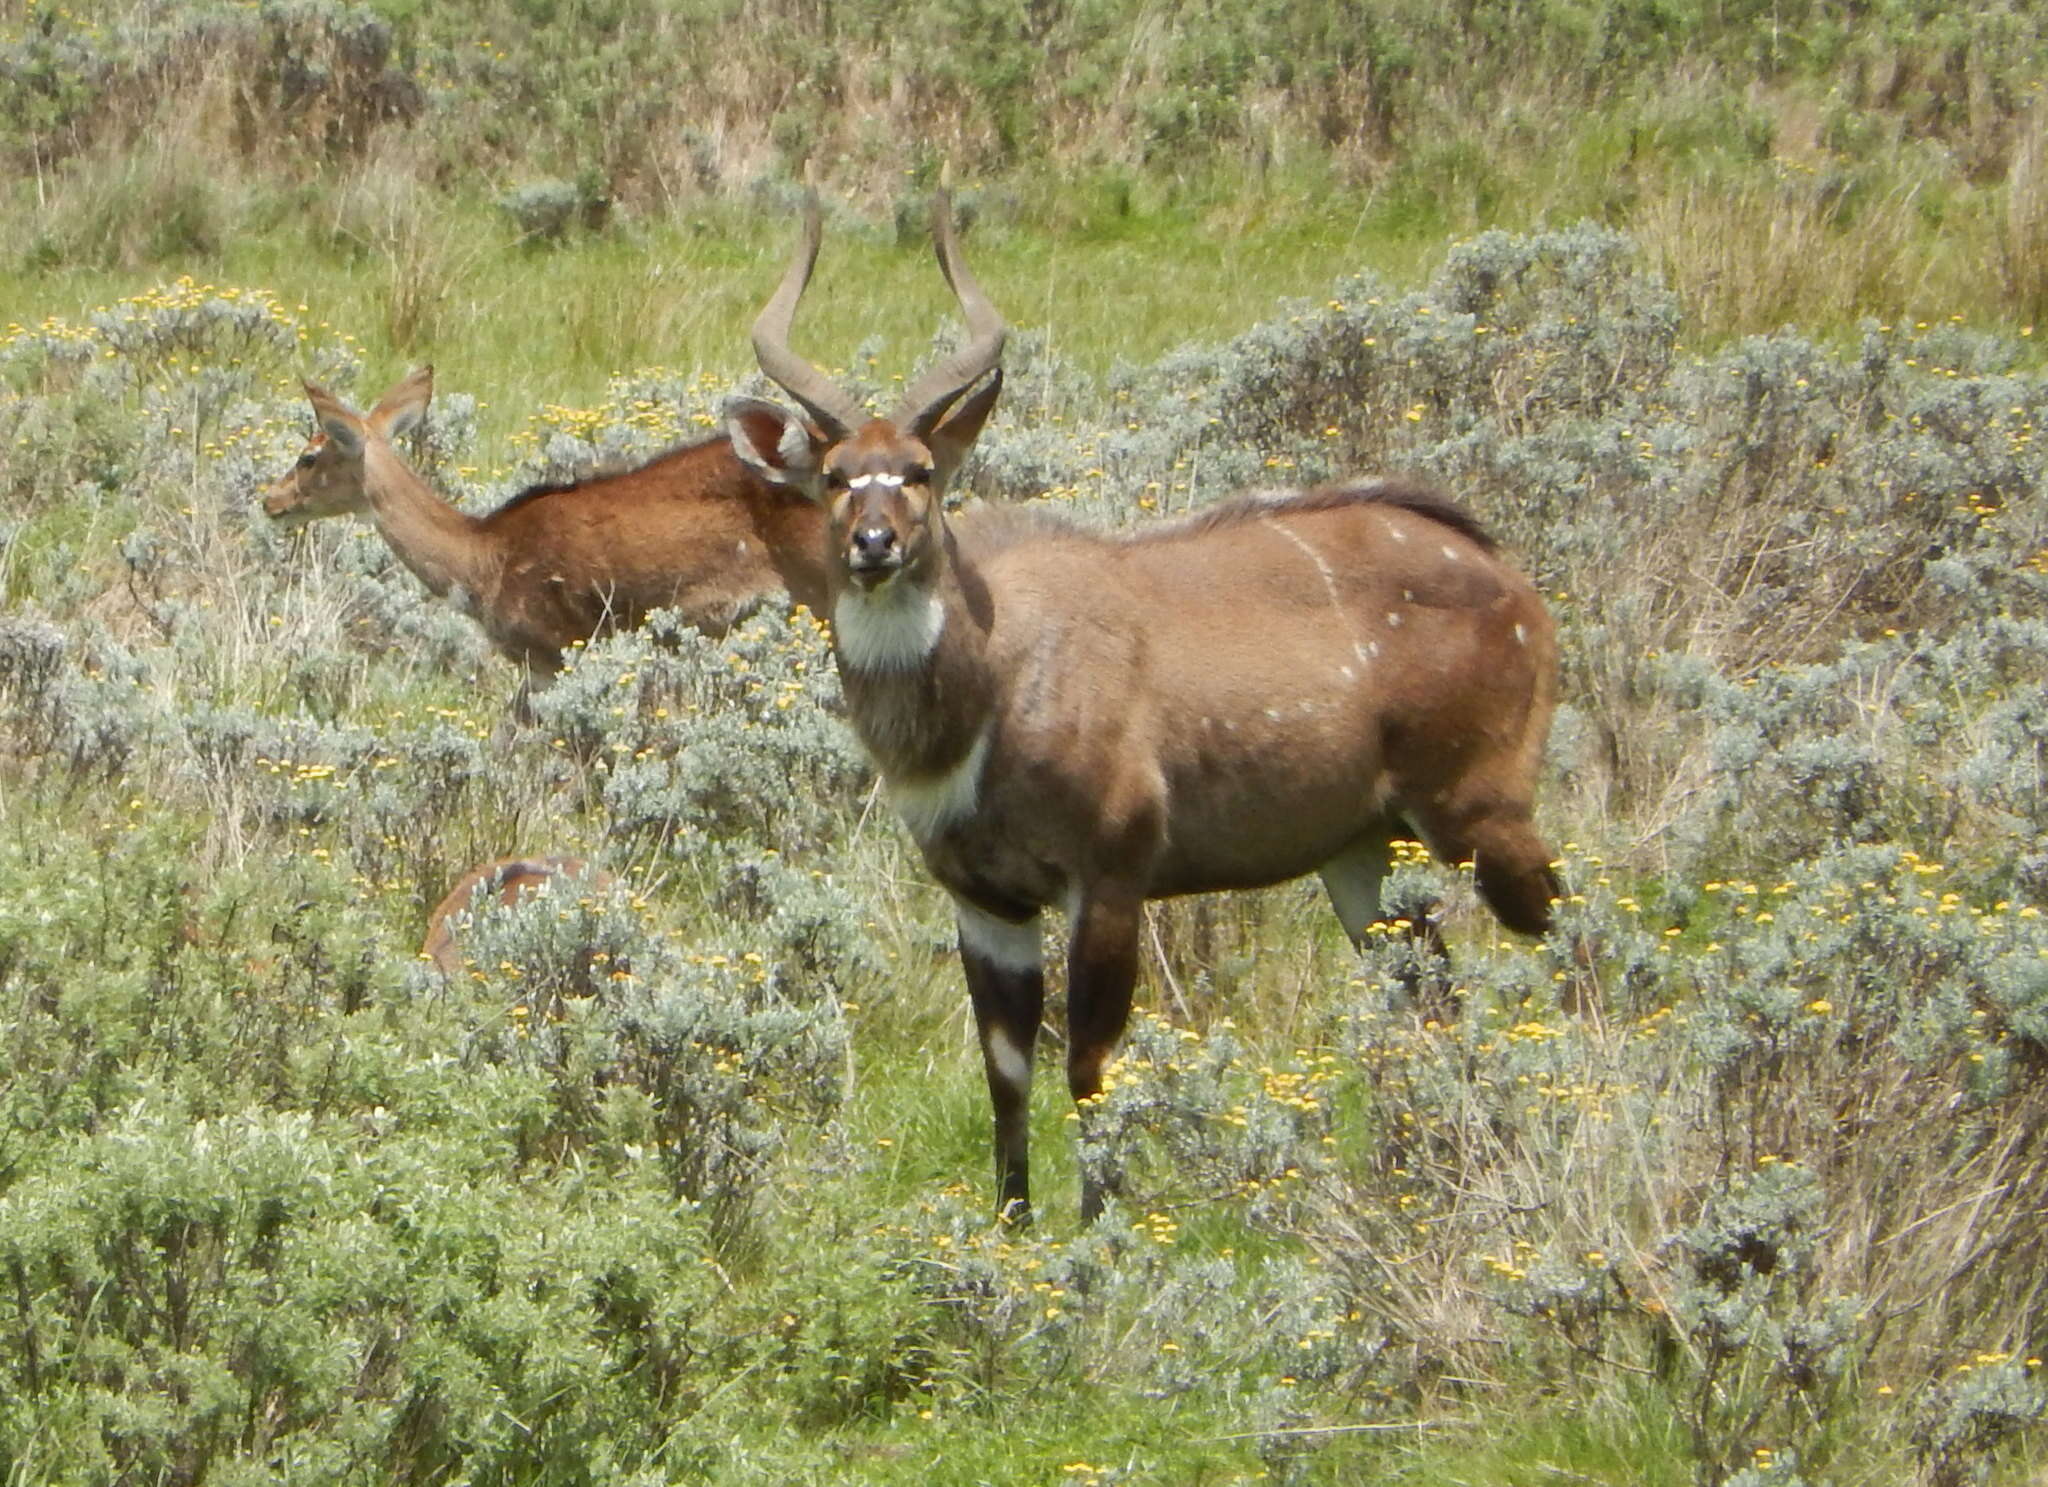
(930, 803)
(893, 628)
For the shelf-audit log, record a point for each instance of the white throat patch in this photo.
(893, 628)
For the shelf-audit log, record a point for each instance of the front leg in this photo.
(1005, 967)
(1102, 968)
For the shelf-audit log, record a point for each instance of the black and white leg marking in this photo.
(1005, 966)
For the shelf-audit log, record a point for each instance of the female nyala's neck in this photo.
(916, 679)
(443, 547)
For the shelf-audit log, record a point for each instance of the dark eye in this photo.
(835, 480)
(306, 460)
(918, 475)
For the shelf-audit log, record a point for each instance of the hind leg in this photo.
(1354, 879)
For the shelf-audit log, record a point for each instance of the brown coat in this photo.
(694, 529)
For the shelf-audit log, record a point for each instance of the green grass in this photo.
(1106, 275)
(247, 944)
(521, 326)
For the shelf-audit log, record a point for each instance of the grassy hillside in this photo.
(433, 178)
(687, 1179)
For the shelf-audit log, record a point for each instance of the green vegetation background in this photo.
(1721, 314)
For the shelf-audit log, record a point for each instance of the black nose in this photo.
(871, 544)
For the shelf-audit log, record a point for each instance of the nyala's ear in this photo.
(344, 429)
(954, 437)
(775, 443)
(400, 410)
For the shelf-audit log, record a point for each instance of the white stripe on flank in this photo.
(1322, 564)
(1006, 946)
(928, 806)
(893, 628)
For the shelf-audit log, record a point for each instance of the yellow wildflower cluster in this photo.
(1296, 1089)
(296, 772)
(1515, 1264)
(183, 314)
(663, 420)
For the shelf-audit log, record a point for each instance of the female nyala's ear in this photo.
(400, 410)
(775, 443)
(343, 427)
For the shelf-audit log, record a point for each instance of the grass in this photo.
(239, 936)
(1106, 275)
(524, 326)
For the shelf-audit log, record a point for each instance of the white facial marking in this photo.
(928, 806)
(862, 482)
(1007, 946)
(1011, 1063)
(893, 628)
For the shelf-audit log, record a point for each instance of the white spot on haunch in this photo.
(894, 628)
(1394, 532)
(1394, 619)
(929, 805)
(1003, 944)
(1347, 673)
(1450, 552)
(1521, 634)
(1408, 596)
(1273, 713)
